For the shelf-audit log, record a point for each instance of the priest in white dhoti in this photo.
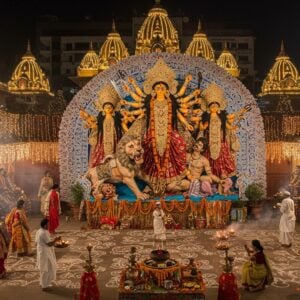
(46, 260)
(287, 220)
(159, 227)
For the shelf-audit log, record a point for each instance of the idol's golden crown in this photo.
(213, 93)
(160, 72)
(107, 94)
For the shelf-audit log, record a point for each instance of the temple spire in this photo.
(200, 45)
(28, 77)
(157, 3)
(28, 47)
(199, 27)
(91, 45)
(114, 26)
(157, 33)
(282, 49)
(283, 77)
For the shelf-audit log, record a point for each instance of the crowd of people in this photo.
(256, 272)
(15, 234)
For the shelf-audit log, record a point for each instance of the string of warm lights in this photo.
(273, 128)
(291, 125)
(276, 127)
(30, 127)
(36, 152)
(279, 151)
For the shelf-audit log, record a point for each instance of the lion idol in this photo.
(124, 168)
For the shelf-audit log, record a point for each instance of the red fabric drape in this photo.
(177, 157)
(228, 289)
(88, 287)
(53, 211)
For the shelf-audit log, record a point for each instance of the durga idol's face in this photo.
(160, 90)
(108, 109)
(214, 107)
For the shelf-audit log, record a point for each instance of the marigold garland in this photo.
(218, 210)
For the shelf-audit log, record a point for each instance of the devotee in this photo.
(46, 260)
(256, 273)
(4, 244)
(287, 220)
(17, 226)
(45, 186)
(52, 208)
(159, 226)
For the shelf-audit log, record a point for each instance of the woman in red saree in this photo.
(52, 208)
(17, 226)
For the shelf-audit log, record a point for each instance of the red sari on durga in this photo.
(164, 148)
(168, 166)
(53, 210)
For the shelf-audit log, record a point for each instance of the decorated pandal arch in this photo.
(74, 139)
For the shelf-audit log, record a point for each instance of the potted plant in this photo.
(255, 192)
(77, 192)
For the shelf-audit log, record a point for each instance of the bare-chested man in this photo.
(198, 178)
(199, 171)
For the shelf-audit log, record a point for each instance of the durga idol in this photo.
(162, 125)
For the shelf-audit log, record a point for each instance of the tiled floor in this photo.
(111, 250)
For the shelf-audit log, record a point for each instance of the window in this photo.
(56, 58)
(68, 71)
(70, 58)
(44, 59)
(232, 45)
(78, 57)
(44, 47)
(82, 46)
(56, 70)
(244, 71)
(243, 46)
(69, 46)
(243, 58)
(217, 45)
(56, 45)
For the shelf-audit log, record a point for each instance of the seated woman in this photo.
(256, 273)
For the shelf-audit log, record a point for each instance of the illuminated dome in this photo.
(157, 34)
(283, 78)
(227, 61)
(200, 46)
(28, 77)
(112, 50)
(89, 65)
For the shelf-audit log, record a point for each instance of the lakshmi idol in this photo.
(107, 128)
(162, 125)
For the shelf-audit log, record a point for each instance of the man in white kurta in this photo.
(159, 224)
(287, 220)
(46, 260)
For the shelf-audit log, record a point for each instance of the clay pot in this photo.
(160, 255)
